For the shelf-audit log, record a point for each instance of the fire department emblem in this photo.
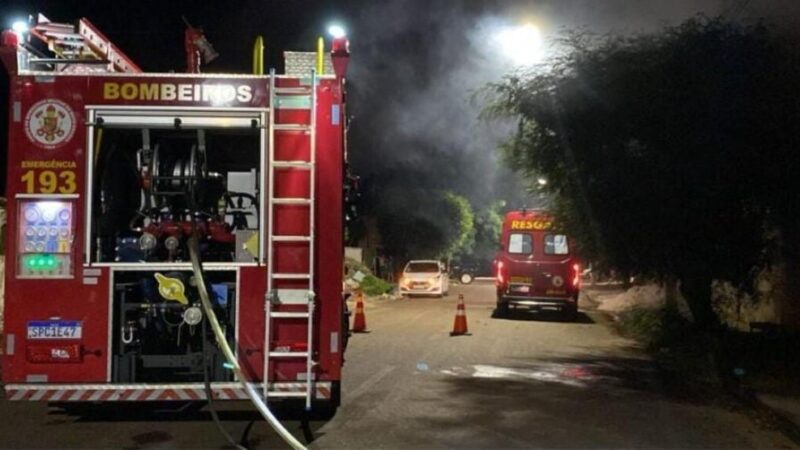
(50, 123)
(558, 281)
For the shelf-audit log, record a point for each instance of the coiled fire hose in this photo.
(257, 401)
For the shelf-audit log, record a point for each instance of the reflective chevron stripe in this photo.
(146, 392)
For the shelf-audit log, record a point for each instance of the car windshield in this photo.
(422, 267)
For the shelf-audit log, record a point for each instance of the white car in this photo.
(424, 277)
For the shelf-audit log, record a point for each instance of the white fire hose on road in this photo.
(257, 401)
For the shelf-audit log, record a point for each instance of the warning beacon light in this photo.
(340, 55)
(336, 31)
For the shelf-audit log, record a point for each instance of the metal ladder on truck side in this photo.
(277, 296)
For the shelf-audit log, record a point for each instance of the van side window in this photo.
(520, 243)
(555, 244)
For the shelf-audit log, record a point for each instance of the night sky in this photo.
(414, 71)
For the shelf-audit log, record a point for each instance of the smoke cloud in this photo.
(417, 64)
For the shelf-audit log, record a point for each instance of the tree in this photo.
(461, 229)
(668, 154)
(415, 224)
(488, 222)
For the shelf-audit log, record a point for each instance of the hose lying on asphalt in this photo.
(257, 401)
(209, 395)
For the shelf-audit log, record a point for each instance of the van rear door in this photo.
(552, 265)
(520, 259)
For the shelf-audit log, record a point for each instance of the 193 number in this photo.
(49, 182)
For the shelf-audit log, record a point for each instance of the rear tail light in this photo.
(500, 275)
(576, 275)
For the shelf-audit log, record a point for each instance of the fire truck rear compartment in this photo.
(159, 340)
(153, 187)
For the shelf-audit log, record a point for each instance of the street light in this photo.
(542, 181)
(522, 44)
(337, 31)
(20, 26)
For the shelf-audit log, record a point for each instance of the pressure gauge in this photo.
(64, 215)
(147, 242)
(49, 215)
(193, 315)
(32, 214)
(172, 243)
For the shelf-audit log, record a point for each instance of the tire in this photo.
(466, 278)
(502, 309)
(345, 325)
(325, 410)
(570, 313)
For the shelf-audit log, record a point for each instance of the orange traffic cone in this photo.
(460, 323)
(360, 321)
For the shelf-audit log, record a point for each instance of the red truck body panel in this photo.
(51, 163)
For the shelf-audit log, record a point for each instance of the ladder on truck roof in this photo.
(304, 299)
(79, 45)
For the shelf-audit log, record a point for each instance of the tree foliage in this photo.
(417, 225)
(669, 154)
(461, 229)
(488, 222)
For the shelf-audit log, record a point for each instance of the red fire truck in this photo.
(112, 170)
(535, 267)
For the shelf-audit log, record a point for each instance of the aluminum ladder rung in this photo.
(292, 164)
(277, 354)
(291, 127)
(291, 394)
(291, 201)
(302, 90)
(289, 315)
(291, 276)
(291, 238)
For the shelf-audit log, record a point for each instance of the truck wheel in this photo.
(571, 312)
(502, 308)
(466, 278)
(345, 325)
(325, 410)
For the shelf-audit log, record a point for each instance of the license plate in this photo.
(521, 289)
(55, 329)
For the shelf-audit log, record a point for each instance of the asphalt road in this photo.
(528, 381)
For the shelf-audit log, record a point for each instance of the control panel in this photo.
(45, 239)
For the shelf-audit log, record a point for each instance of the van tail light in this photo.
(501, 277)
(576, 275)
